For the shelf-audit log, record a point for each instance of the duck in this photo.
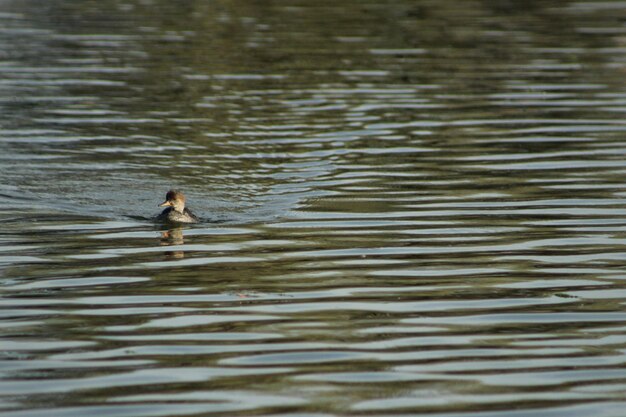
(176, 212)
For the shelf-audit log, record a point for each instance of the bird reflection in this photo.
(173, 237)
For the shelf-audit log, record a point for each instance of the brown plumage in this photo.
(176, 212)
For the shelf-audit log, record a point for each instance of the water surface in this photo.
(409, 208)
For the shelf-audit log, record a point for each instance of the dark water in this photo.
(409, 208)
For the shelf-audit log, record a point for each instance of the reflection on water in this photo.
(173, 237)
(411, 208)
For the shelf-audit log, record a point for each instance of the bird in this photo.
(176, 212)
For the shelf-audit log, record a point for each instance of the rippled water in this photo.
(409, 208)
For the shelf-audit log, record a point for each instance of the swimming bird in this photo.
(176, 212)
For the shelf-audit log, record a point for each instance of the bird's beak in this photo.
(165, 203)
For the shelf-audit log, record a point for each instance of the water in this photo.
(409, 208)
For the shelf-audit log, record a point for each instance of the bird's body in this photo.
(176, 212)
(171, 215)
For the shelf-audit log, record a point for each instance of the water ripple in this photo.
(406, 208)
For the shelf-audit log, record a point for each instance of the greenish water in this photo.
(409, 208)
